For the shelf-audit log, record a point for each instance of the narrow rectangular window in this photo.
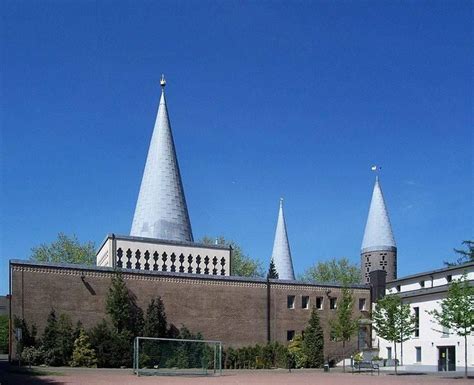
(319, 303)
(332, 303)
(361, 304)
(399, 288)
(422, 283)
(305, 302)
(291, 302)
(417, 321)
(290, 335)
(418, 353)
(389, 353)
(449, 278)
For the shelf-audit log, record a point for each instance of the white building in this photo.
(431, 348)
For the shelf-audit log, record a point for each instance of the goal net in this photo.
(174, 356)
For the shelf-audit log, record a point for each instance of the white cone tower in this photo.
(161, 210)
(281, 254)
(379, 250)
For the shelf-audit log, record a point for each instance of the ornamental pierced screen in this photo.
(156, 261)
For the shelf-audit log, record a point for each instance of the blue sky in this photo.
(266, 99)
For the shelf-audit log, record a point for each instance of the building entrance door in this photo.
(446, 358)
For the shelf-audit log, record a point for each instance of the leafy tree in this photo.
(83, 354)
(465, 256)
(241, 264)
(393, 321)
(272, 272)
(156, 324)
(457, 311)
(3, 334)
(340, 271)
(313, 343)
(65, 249)
(344, 326)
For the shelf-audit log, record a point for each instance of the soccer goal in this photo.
(174, 356)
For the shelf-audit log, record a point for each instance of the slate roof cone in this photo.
(161, 210)
(281, 254)
(378, 233)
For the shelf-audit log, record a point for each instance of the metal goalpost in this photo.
(175, 356)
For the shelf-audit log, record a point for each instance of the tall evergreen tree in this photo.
(457, 312)
(156, 324)
(272, 272)
(118, 303)
(83, 354)
(344, 326)
(313, 343)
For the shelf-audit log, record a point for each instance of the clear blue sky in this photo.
(266, 99)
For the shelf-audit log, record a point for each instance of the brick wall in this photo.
(230, 309)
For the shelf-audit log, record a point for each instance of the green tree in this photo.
(272, 272)
(3, 334)
(298, 357)
(156, 324)
(122, 308)
(313, 343)
(340, 271)
(65, 249)
(28, 334)
(113, 349)
(393, 321)
(457, 311)
(241, 264)
(465, 256)
(58, 340)
(344, 326)
(83, 354)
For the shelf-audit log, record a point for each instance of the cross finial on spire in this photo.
(163, 81)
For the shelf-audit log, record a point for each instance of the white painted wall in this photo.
(430, 333)
(105, 255)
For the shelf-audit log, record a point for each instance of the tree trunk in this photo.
(395, 348)
(344, 356)
(465, 355)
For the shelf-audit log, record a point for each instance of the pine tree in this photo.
(65, 339)
(58, 339)
(83, 354)
(272, 272)
(156, 324)
(313, 343)
(118, 303)
(343, 327)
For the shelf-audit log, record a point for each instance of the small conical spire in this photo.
(161, 210)
(281, 254)
(378, 233)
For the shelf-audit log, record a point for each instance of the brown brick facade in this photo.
(230, 309)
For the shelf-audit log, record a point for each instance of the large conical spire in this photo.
(161, 210)
(281, 254)
(378, 233)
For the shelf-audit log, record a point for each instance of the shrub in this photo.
(3, 334)
(32, 355)
(83, 354)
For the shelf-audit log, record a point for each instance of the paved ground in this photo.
(70, 376)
